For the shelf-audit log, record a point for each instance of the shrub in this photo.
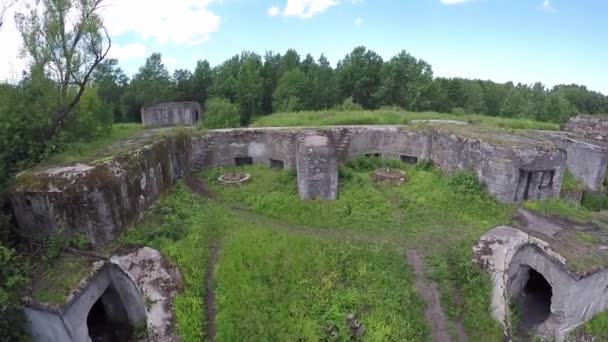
(594, 201)
(12, 279)
(349, 105)
(465, 182)
(220, 113)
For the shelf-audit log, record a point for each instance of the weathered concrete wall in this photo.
(520, 170)
(507, 253)
(171, 114)
(587, 162)
(222, 147)
(390, 141)
(102, 198)
(69, 322)
(317, 167)
(591, 127)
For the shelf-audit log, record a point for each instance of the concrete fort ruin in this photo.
(171, 114)
(557, 279)
(121, 295)
(101, 196)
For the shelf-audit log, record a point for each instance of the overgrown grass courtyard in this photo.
(303, 270)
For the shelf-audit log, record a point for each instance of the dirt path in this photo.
(428, 291)
(214, 250)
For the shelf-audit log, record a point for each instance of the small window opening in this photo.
(409, 159)
(277, 164)
(107, 321)
(240, 161)
(535, 299)
(546, 179)
(373, 155)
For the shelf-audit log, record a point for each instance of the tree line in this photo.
(248, 85)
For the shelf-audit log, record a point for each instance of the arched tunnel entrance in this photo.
(107, 320)
(535, 300)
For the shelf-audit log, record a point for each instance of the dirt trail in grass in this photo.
(428, 291)
(214, 251)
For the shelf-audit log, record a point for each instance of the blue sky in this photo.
(553, 41)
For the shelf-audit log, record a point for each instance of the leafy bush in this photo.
(349, 105)
(220, 113)
(594, 201)
(465, 182)
(12, 280)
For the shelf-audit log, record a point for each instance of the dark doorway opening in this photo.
(535, 300)
(409, 159)
(240, 161)
(277, 164)
(196, 116)
(373, 155)
(107, 321)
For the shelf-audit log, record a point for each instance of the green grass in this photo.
(55, 279)
(391, 117)
(441, 216)
(598, 327)
(465, 292)
(278, 287)
(560, 207)
(571, 183)
(76, 151)
(181, 226)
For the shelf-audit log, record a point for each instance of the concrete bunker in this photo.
(553, 292)
(171, 114)
(107, 306)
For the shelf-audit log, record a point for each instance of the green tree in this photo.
(151, 84)
(359, 76)
(202, 81)
(220, 113)
(68, 49)
(404, 81)
(111, 83)
(289, 61)
(517, 105)
(270, 74)
(474, 102)
(290, 92)
(323, 85)
(249, 86)
(184, 85)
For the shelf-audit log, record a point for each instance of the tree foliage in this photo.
(68, 50)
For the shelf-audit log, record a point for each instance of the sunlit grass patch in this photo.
(281, 287)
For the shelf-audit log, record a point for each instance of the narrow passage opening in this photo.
(107, 321)
(535, 299)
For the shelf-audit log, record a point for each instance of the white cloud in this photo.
(128, 51)
(303, 9)
(177, 21)
(11, 64)
(274, 11)
(547, 7)
(358, 22)
(454, 2)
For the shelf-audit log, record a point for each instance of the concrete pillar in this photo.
(317, 167)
